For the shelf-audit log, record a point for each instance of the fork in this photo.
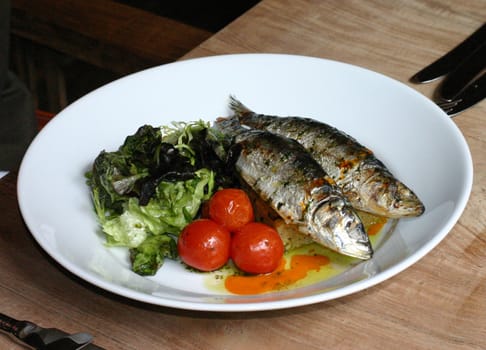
(449, 106)
(472, 94)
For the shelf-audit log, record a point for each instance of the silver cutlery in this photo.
(452, 59)
(461, 88)
(45, 338)
(459, 78)
(473, 93)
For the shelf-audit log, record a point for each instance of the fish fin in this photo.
(237, 107)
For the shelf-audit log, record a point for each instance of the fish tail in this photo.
(237, 107)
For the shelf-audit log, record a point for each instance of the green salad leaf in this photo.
(174, 205)
(149, 256)
(149, 189)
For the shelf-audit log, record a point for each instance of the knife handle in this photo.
(22, 330)
(10, 325)
(452, 59)
(456, 81)
(43, 338)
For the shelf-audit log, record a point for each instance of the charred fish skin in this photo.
(284, 174)
(363, 178)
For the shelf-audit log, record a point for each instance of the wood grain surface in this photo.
(105, 33)
(438, 303)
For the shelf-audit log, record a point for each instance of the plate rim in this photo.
(267, 305)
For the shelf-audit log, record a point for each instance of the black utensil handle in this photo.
(11, 325)
(474, 93)
(458, 79)
(453, 58)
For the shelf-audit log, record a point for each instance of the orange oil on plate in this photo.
(281, 278)
(299, 267)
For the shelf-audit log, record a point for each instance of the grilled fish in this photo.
(363, 178)
(284, 175)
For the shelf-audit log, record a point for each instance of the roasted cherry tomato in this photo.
(231, 208)
(204, 245)
(256, 248)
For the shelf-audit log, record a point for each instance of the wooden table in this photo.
(438, 303)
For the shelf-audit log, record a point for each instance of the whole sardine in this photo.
(285, 175)
(364, 179)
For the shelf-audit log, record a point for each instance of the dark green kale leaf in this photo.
(110, 179)
(204, 145)
(143, 147)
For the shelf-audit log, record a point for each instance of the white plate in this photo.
(419, 143)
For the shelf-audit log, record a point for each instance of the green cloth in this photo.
(18, 125)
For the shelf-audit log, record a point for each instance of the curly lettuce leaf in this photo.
(182, 135)
(174, 205)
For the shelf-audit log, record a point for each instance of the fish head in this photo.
(384, 195)
(335, 224)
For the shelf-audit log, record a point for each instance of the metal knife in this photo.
(472, 94)
(452, 59)
(46, 338)
(456, 81)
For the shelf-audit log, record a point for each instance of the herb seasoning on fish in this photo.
(284, 174)
(364, 179)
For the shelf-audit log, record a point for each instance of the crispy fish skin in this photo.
(283, 174)
(364, 179)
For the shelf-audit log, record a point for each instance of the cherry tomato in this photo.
(204, 245)
(256, 248)
(231, 208)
